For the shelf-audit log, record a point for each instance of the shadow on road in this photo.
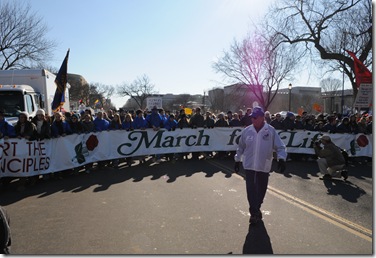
(102, 179)
(257, 240)
(347, 190)
(311, 169)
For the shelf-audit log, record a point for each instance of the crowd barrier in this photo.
(22, 158)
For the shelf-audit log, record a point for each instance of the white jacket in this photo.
(257, 148)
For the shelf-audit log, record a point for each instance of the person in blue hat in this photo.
(255, 149)
(288, 121)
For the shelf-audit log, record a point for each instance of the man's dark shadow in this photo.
(257, 240)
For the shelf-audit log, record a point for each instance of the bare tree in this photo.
(330, 85)
(105, 92)
(325, 29)
(139, 90)
(260, 62)
(238, 97)
(93, 96)
(23, 42)
(330, 89)
(183, 99)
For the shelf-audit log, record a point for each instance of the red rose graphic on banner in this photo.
(82, 148)
(92, 142)
(362, 141)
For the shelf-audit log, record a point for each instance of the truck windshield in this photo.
(11, 103)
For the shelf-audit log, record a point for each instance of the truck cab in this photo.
(28, 90)
(15, 99)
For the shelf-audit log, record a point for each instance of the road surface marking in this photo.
(324, 214)
(332, 218)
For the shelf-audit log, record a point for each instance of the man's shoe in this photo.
(344, 174)
(327, 177)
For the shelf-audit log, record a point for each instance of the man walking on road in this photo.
(256, 145)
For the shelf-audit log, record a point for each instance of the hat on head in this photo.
(289, 114)
(325, 138)
(40, 112)
(154, 108)
(257, 112)
(24, 113)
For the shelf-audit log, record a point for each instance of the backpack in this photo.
(5, 237)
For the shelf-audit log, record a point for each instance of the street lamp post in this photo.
(290, 87)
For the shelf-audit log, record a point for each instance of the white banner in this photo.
(19, 157)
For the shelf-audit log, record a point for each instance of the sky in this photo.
(173, 42)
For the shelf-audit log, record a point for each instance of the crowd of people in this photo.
(61, 124)
(43, 126)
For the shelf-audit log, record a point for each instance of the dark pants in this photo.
(256, 183)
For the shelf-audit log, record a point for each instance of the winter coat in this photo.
(197, 120)
(60, 128)
(154, 120)
(331, 153)
(101, 124)
(170, 125)
(45, 131)
(30, 130)
(139, 122)
(257, 148)
(6, 129)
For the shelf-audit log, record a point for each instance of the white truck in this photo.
(28, 90)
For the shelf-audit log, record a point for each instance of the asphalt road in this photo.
(191, 207)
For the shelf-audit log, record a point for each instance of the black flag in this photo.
(61, 84)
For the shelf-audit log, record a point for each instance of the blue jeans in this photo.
(256, 184)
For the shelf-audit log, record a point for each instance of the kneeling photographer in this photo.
(330, 159)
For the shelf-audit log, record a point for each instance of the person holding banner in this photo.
(75, 124)
(155, 121)
(256, 146)
(246, 120)
(6, 128)
(42, 124)
(88, 127)
(196, 121)
(25, 128)
(128, 122)
(100, 123)
(209, 121)
(59, 126)
(139, 121)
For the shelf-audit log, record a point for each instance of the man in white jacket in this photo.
(256, 146)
